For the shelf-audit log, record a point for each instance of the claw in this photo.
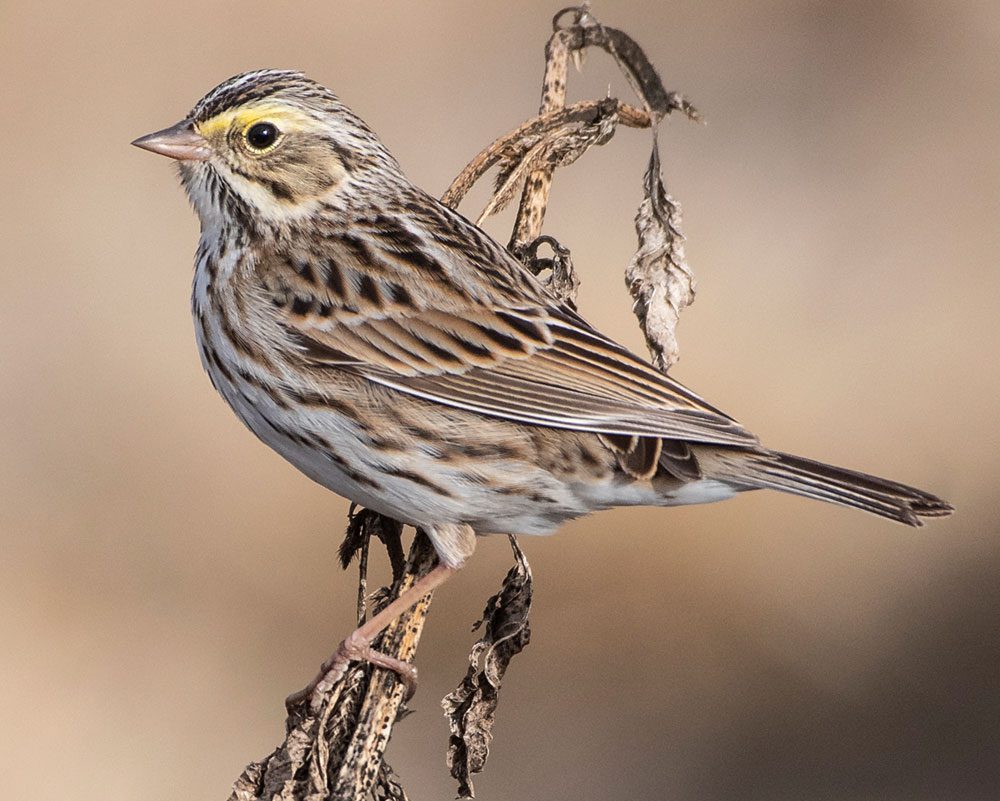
(352, 649)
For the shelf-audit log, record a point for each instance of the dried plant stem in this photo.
(339, 754)
(535, 197)
(364, 755)
(586, 111)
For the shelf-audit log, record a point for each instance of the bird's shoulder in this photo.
(405, 257)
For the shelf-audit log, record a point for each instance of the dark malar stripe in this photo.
(280, 190)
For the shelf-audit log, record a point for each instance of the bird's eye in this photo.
(261, 135)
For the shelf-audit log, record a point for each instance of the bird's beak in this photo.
(180, 141)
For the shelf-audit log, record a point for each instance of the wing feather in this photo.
(474, 330)
(447, 359)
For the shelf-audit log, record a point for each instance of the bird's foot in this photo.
(356, 647)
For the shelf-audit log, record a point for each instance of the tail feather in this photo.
(825, 482)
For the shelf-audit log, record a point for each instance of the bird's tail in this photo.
(824, 482)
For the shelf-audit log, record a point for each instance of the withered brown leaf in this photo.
(471, 707)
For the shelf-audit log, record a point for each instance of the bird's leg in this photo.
(357, 645)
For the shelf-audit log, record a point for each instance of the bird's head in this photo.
(271, 141)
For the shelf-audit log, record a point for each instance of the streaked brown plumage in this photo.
(398, 355)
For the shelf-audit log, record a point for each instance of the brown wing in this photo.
(435, 309)
(520, 365)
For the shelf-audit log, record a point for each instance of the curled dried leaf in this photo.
(658, 277)
(297, 769)
(361, 527)
(471, 707)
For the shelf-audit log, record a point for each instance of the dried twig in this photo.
(535, 198)
(571, 41)
(587, 112)
(338, 754)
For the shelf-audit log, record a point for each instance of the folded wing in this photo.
(542, 367)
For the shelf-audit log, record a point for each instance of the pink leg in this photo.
(454, 543)
(357, 645)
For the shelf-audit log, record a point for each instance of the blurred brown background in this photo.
(166, 580)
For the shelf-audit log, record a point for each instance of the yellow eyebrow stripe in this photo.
(286, 118)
